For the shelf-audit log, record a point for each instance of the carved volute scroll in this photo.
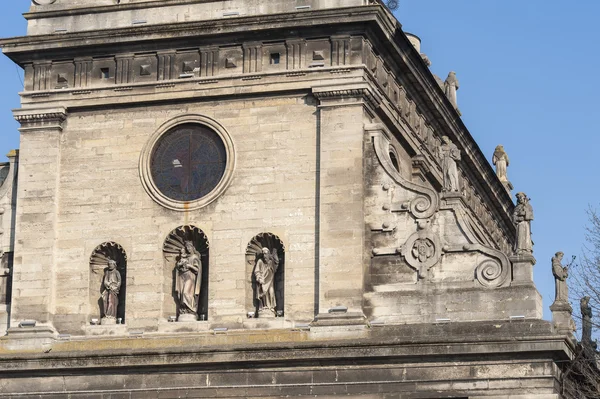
(185, 252)
(493, 272)
(101, 298)
(266, 277)
(426, 201)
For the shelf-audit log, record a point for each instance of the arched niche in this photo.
(254, 253)
(174, 248)
(99, 267)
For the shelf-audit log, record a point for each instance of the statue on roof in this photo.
(451, 85)
(501, 161)
(561, 273)
(449, 155)
(586, 324)
(522, 217)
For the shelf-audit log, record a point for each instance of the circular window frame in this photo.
(146, 160)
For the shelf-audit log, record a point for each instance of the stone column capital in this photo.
(41, 118)
(347, 94)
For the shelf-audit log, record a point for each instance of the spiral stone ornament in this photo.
(420, 207)
(490, 273)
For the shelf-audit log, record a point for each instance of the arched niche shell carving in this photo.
(105, 251)
(43, 2)
(263, 240)
(426, 202)
(175, 241)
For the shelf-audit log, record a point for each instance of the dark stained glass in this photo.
(188, 162)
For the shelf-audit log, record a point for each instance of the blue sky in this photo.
(528, 75)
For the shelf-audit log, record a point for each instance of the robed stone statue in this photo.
(110, 295)
(561, 273)
(451, 85)
(188, 278)
(522, 217)
(267, 264)
(586, 324)
(449, 155)
(500, 159)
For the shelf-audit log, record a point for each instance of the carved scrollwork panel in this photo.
(426, 202)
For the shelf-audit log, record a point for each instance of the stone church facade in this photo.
(256, 199)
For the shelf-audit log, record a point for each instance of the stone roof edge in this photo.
(58, 11)
(458, 131)
(200, 28)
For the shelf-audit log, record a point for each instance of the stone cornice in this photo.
(26, 48)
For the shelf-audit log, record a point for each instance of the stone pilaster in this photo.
(37, 214)
(340, 211)
(209, 61)
(124, 73)
(340, 50)
(296, 53)
(166, 64)
(252, 57)
(83, 71)
(41, 75)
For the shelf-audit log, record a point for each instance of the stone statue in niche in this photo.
(450, 87)
(186, 255)
(108, 282)
(188, 275)
(522, 217)
(264, 272)
(561, 273)
(449, 155)
(586, 325)
(110, 296)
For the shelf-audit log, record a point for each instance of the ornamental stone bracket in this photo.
(40, 119)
